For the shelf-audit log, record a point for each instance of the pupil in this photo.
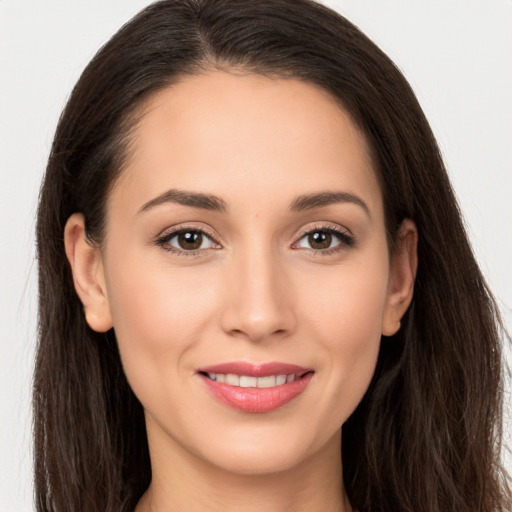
(190, 240)
(320, 240)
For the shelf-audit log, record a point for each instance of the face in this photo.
(246, 271)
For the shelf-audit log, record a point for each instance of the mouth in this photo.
(249, 381)
(255, 388)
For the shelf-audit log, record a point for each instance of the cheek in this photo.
(157, 313)
(348, 307)
(346, 318)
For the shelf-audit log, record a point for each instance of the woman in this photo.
(265, 267)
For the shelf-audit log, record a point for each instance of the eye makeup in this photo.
(187, 241)
(324, 237)
(192, 241)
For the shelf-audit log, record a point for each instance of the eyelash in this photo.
(163, 240)
(346, 240)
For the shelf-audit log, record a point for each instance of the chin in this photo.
(267, 452)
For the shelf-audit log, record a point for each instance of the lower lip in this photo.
(257, 399)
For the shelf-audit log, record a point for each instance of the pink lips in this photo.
(255, 399)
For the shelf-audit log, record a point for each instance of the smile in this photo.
(248, 381)
(255, 388)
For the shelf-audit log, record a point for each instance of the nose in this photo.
(259, 301)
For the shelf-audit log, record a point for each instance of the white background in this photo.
(457, 54)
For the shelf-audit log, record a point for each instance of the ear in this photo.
(404, 264)
(88, 274)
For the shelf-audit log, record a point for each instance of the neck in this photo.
(182, 482)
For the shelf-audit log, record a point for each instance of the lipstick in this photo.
(255, 388)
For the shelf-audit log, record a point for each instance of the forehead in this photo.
(243, 136)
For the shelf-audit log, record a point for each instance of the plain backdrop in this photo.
(457, 54)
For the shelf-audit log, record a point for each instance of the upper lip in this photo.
(255, 370)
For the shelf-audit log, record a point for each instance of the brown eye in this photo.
(325, 240)
(186, 240)
(320, 240)
(190, 240)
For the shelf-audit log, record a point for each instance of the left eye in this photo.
(189, 240)
(322, 239)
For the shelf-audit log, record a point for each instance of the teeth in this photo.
(233, 380)
(267, 382)
(281, 379)
(247, 381)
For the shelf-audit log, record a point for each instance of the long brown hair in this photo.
(427, 435)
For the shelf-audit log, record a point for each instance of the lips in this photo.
(255, 388)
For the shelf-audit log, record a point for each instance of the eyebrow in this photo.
(214, 203)
(321, 199)
(186, 198)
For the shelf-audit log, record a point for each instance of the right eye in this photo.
(187, 240)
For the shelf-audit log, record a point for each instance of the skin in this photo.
(258, 292)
